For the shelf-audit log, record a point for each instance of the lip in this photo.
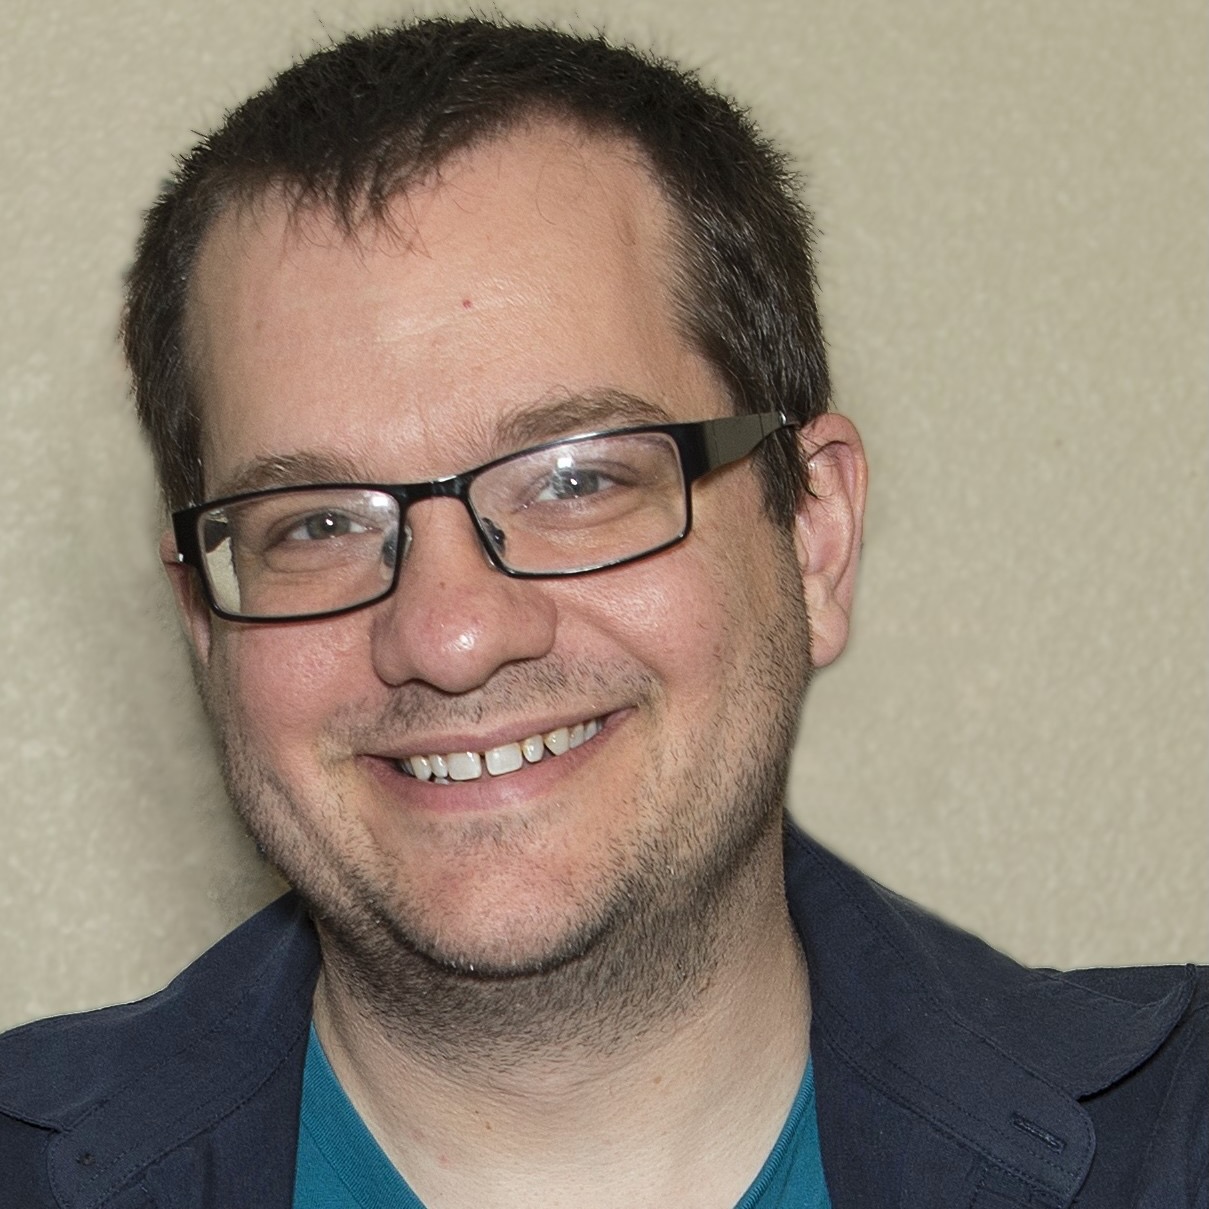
(512, 790)
(496, 737)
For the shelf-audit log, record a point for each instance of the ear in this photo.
(827, 532)
(190, 603)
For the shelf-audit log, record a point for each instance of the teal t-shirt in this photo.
(341, 1166)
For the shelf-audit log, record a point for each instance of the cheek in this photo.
(673, 614)
(281, 685)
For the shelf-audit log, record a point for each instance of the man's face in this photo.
(521, 297)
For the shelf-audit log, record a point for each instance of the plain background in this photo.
(1011, 195)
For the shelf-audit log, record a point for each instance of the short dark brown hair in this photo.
(354, 124)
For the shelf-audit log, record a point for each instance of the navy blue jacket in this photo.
(946, 1074)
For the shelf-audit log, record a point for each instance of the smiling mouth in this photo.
(448, 767)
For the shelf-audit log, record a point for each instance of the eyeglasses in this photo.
(566, 507)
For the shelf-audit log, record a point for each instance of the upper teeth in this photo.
(508, 757)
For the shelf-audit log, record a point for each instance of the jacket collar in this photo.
(912, 1012)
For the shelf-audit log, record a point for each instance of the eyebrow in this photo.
(530, 424)
(288, 470)
(570, 414)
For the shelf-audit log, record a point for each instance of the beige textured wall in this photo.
(1012, 199)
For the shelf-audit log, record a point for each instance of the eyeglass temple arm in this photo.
(187, 551)
(734, 437)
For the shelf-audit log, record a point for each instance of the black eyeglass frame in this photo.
(702, 445)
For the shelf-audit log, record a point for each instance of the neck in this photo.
(599, 1074)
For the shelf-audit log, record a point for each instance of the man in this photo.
(485, 384)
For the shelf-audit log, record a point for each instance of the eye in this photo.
(320, 525)
(573, 483)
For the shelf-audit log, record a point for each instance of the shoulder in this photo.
(92, 1104)
(1087, 1077)
(870, 946)
(1152, 1124)
(53, 1070)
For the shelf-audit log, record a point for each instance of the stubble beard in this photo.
(647, 941)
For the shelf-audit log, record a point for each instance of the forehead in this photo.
(532, 269)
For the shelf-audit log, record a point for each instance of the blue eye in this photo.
(573, 483)
(322, 525)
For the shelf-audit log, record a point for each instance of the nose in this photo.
(454, 619)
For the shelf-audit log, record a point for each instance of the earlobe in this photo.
(194, 612)
(828, 530)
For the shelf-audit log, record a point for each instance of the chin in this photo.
(507, 930)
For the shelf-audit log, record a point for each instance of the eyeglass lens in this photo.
(564, 509)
